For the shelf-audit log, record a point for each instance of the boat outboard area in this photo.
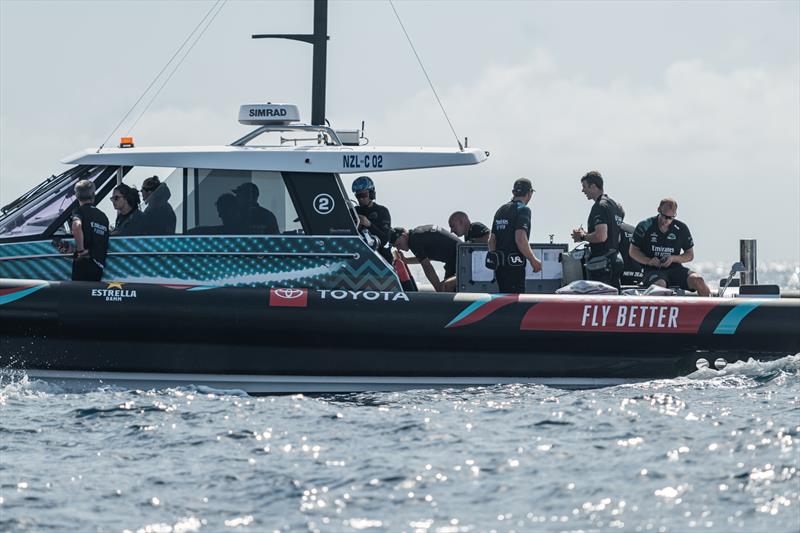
(291, 298)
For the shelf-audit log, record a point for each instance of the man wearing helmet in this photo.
(372, 217)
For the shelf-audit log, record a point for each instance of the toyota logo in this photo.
(289, 294)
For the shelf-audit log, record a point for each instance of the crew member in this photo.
(605, 264)
(430, 243)
(631, 269)
(509, 245)
(372, 217)
(159, 218)
(662, 244)
(473, 232)
(90, 231)
(258, 220)
(130, 220)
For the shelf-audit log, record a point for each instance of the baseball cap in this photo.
(523, 186)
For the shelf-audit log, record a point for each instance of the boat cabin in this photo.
(314, 243)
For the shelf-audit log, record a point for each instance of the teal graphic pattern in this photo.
(288, 261)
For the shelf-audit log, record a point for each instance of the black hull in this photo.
(296, 340)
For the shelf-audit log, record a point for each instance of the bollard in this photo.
(749, 257)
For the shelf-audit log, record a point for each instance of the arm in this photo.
(686, 257)
(430, 273)
(77, 233)
(524, 247)
(639, 257)
(600, 234)
(483, 238)
(492, 242)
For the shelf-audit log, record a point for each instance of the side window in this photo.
(239, 202)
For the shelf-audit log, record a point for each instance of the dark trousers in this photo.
(85, 269)
(510, 279)
(609, 276)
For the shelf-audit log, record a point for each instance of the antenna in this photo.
(319, 41)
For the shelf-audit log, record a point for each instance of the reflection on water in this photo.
(715, 451)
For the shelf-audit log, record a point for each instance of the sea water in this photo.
(714, 451)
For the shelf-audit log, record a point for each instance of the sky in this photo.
(695, 100)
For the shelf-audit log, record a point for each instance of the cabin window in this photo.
(238, 202)
(36, 212)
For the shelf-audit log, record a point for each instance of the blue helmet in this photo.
(364, 183)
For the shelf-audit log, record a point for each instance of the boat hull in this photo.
(295, 340)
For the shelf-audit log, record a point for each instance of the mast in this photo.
(319, 41)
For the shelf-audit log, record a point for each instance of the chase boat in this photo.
(313, 308)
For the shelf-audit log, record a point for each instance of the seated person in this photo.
(159, 218)
(657, 244)
(230, 215)
(430, 243)
(473, 232)
(130, 220)
(258, 220)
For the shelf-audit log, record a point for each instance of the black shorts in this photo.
(510, 279)
(674, 275)
(85, 269)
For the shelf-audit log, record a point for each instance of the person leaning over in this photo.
(509, 245)
(605, 264)
(90, 230)
(430, 243)
(657, 243)
(473, 232)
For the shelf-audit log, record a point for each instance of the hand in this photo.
(654, 261)
(578, 234)
(667, 261)
(364, 221)
(65, 248)
(537, 265)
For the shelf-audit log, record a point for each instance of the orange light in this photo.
(126, 142)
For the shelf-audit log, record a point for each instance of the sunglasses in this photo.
(364, 194)
(668, 217)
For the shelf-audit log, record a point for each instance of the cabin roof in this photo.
(335, 159)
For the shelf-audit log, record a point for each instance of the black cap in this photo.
(522, 187)
(395, 234)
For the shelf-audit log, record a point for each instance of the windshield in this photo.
(33, 213)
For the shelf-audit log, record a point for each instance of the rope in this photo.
(174, 70)
(460, 146)
(159, 74)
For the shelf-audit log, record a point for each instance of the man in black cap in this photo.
(605, 264)
(257, 220)
(430, 243)
(509, 246)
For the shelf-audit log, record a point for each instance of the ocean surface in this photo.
(714, 451)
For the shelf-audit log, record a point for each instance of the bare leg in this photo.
(697, 283)
(449, 285)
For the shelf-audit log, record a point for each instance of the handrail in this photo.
(287, 127)
(277, 254)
